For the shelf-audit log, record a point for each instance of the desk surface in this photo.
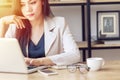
(110, 71)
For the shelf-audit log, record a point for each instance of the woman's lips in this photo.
(30, 15)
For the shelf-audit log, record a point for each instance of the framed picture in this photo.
(108, 25)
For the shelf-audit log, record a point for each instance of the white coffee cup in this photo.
(95, 63)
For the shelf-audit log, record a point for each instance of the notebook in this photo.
(12, 59)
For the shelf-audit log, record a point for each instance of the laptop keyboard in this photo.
(31, 67)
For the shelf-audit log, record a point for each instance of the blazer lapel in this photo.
(50, 36)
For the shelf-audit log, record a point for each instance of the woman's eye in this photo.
(33, 2)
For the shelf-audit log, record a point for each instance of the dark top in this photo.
(36, 51)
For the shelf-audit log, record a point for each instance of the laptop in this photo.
(12, 59)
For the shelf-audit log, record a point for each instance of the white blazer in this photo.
(60, 46)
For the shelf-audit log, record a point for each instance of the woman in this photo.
(44, 39)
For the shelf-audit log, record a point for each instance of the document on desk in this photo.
(59, 67)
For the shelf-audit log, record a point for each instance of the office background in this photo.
(73, 17)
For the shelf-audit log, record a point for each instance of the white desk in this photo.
(110, 71)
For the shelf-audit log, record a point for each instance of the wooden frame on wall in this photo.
(108, 25)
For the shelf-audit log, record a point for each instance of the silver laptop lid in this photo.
(11, 57)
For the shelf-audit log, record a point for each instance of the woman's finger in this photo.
(27, 61)
(21, 17)
(19, 22)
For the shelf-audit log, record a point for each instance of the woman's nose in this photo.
(28, 8)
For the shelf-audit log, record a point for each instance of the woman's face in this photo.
(32, 9)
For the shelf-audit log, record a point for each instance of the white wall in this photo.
(73, 17)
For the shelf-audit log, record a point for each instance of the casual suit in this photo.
(60, 46)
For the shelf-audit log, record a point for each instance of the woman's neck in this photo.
(37, 23)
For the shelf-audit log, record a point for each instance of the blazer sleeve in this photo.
(11, 31)
(71, 53)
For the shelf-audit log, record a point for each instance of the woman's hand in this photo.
(13, 19)
(33, 62)
(39, 61)
(5, 21)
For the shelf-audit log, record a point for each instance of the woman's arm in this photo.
(3, 28)
(69, 53)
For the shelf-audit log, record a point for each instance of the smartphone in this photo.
(48, 72)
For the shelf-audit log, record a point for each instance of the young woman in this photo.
(44, 39)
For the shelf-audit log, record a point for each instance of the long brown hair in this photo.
(23, 35)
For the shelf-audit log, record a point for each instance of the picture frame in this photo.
(108, 25)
